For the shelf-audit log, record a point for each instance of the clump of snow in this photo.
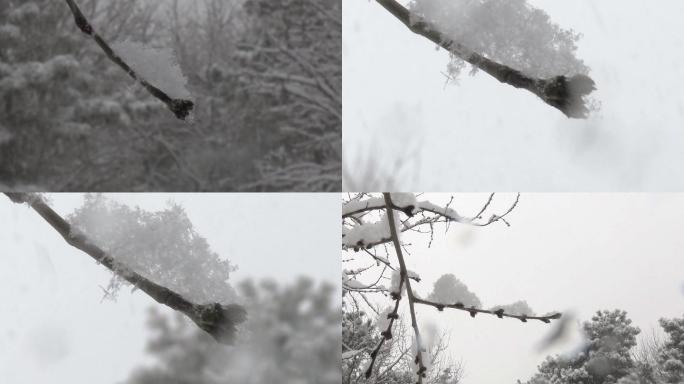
(450, 290)
(358, 204)
(157, 66)
(405, 200)
(413, 275)
(448, 212)
(511, 32)
(366, 233)
(518, 308)
(396, 282)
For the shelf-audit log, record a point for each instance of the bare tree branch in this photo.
(422, 369)
(563, 93)
(218, 320)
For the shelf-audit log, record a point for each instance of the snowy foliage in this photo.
(511, 32)
(606, 358)
(162, 246)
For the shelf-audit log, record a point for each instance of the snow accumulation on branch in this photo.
(367, 234)
(148, 63)
(510, 40)
(219, 320)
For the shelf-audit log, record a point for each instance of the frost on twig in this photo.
(147, 63)
(510, 40)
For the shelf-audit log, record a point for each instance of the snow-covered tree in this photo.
(611, 353)
(511, 40)
(293, 336)
(605, 358)
(372, 228)
(158, 253)
(671, 356)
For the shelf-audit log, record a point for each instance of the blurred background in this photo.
(265, 76)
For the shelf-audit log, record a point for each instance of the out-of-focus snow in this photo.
(518, 308)
(450, 290)
(157, 66)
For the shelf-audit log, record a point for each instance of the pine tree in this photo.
(605, 359)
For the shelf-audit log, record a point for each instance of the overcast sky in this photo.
(54, 327)
(574, 253)
(481, 135)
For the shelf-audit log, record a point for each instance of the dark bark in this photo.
(217, 319)
(563, 93)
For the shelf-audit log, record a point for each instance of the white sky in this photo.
(577, 252)
(53, 327)
(481, 135)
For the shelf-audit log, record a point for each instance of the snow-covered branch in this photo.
(565, 93)
(217, 319)
(368, 235)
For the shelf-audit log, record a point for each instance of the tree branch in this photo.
(218, 320)
(180, 107)
(409, 292)
(563, 93)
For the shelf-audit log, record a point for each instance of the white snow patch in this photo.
(450, 290)
(157, 66)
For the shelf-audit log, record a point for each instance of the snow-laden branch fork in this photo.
(420, 213)
(181, 108)
(561, 92)
(217, 319)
